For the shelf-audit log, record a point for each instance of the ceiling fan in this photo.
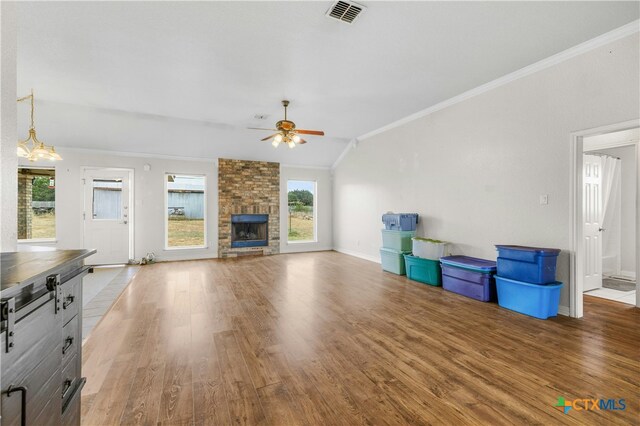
(287, 131)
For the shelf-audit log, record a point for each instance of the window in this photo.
(36, 204)
(302, 224)
(185, 211)
(107, 199)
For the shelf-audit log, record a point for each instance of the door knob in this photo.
(601, 229)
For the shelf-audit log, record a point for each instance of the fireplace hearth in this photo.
(249, 230)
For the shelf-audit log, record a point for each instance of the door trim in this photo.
(131, 223)
(576, 258)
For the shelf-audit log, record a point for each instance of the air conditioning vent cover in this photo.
(345, 11)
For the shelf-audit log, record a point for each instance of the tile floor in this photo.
(628, 297)
(101, 289)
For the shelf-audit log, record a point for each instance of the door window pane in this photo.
(185, 211)
(107, 199)
(301, 195)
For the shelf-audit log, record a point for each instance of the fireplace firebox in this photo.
(249, 230)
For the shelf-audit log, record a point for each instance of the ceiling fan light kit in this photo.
(287, 132)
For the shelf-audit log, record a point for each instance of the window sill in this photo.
(186, 248)
(303, 242)
(38, 240)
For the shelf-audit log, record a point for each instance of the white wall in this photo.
(627, 155)
(149, 214)
(474, 171)
(324, 198)
(8, 134)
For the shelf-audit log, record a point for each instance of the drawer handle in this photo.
(68, 342)
(66, 387)
(23, 405)
(67, 301)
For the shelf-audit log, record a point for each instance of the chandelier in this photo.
(31, 148)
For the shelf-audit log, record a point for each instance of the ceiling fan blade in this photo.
(260, 128)
(301, 141)
(310, 132)
(269, 137)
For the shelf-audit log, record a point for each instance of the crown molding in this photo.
(137, 154)
(609, 37)
(293, 166)
(352, 144)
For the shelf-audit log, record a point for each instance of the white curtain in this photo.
(611, 215)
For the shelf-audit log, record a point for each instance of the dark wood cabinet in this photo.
(40, 342)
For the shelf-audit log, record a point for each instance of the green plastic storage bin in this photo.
(398, 240)
(426, 271)
(392, 261)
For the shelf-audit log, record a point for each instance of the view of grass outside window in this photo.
(36, 204)
(185, 211)
(301, 218)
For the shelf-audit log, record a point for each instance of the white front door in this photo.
(106, 215)
(592, 214)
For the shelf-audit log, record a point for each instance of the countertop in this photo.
(18, 268)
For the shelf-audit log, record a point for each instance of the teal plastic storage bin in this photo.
(426, 271)
(392, 261)
(536, 300)
(398, 240)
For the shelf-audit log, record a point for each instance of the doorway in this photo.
(605, 218)
(108, 215)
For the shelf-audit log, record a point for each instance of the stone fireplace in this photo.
(248, 207)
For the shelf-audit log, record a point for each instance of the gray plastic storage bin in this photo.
(400, 221)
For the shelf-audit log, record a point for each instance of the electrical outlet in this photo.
(544, 199)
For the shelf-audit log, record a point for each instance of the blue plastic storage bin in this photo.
(400, 221)
(469, 276)
(426, 271)
(392, 261)
(540, 301)
(529, 264)
(398, 240)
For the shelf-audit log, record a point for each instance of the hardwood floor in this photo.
(325, 338)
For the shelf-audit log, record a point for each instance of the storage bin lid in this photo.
(554, 284)
(418, 260)
(400, 233)
(537, 250)
(471, 263)
(402, 215)
(392, 251)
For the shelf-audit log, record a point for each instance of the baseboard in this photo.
(564, 310)
(628, 274)
(303, 248)
(357, 254)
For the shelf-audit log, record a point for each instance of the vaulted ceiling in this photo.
(187, 78)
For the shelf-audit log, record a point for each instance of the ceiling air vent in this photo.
(345, 11)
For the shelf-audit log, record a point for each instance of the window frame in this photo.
(49, 240)
(93, 203)
(315, 211)
(166, 212)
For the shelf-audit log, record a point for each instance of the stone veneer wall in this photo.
(248, 187)
(25, 212)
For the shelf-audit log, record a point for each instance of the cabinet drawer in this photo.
(70, 339)
(70, 379)
(71, 298)
(71, 412)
